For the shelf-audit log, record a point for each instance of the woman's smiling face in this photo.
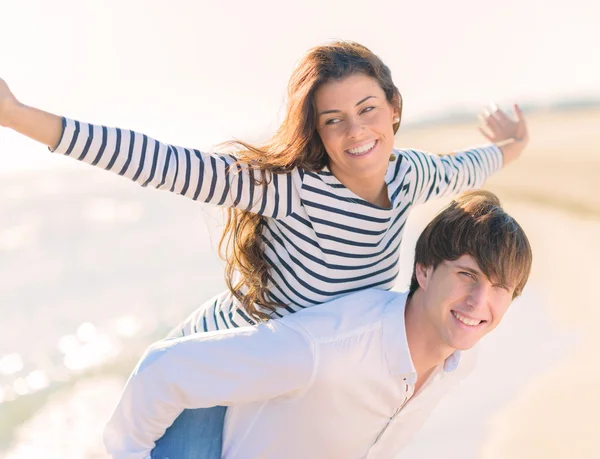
(355, 122)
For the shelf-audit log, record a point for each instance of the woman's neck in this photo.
(377, 195)
(372, 189)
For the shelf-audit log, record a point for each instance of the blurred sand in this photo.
(70, 425)
(554, 192)
(535, 395)
(556, 416)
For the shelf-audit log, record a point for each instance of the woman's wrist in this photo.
(36, 124)
(9, 112)
(511, 149)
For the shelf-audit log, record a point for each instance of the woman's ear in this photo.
(397, 104)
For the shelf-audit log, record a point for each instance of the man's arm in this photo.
(203, 370)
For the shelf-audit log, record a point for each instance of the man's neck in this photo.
(426, 349)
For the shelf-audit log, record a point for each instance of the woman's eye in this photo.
(367, 109)
(332, 121)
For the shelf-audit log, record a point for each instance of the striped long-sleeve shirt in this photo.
(321, 240)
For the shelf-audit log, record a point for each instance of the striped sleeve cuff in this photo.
(68, 131)
(495, 154)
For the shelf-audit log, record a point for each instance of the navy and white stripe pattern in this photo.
(320, 239)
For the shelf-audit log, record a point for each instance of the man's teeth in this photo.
(466, 320)
(362, 149)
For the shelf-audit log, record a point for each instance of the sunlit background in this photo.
(94, 268)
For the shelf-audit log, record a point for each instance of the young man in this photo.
(353, 378)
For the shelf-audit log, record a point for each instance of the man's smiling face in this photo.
(461, 303)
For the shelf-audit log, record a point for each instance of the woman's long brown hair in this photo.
(296, 144)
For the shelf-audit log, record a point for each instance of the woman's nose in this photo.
(355, 127)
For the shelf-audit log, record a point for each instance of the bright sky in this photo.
(197, 72)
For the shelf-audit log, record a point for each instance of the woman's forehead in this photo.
(348, 91)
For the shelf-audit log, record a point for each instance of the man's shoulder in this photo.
(354, 313)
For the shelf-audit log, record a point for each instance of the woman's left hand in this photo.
(509, 134)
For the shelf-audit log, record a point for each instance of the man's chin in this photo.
(463, 345)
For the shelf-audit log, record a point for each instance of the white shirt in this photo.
(332, 381)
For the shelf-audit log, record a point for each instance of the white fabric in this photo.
(332, 381)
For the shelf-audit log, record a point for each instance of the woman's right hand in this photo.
(7, 103)
(31, 122)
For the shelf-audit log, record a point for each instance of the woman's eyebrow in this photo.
(326, 112)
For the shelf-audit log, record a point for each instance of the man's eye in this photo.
(469, 275)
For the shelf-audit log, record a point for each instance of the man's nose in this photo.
(478, 296)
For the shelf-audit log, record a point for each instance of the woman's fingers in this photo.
(521, 129)
(518, 113)
(502, 117)
(492, 123)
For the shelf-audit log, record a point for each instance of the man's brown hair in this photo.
(475, 224)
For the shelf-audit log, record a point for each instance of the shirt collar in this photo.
(396, 344)
(451, 363)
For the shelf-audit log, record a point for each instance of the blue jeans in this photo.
(195, 434)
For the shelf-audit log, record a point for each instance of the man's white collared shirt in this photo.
(332, 381)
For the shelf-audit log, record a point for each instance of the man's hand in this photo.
(509, 134)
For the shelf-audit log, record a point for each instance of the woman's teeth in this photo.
(466, 320)
(362, 149)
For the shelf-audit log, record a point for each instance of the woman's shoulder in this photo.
(408, 152)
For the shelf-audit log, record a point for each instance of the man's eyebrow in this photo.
(477, 272)
(326, 112)
(471, 270)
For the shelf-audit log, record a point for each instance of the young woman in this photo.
(315, 213)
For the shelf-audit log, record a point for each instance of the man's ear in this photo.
(423, 275)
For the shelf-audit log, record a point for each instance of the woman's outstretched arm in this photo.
(208, 177)
(436, 176)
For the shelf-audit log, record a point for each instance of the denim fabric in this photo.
(195, 434)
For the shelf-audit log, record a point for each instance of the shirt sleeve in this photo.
(224, 368)
(208, 177)
(437, 176)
